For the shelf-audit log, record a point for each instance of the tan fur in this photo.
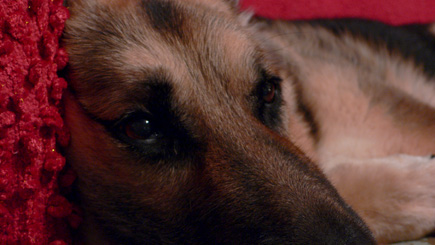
(373, 116)
(370, 105)
(366, 87)
(394, 195)
(297, 129)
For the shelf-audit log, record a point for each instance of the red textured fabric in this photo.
(395, 12)
(31, 128)
(32, 211)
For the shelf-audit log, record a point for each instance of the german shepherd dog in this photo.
(192, 123)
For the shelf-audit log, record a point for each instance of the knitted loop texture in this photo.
(32, 211)
(32, 132)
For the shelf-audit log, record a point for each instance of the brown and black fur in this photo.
(234, 129)
(365, 93)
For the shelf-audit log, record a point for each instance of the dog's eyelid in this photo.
(154, 76)
(94, 117)
(130, 115)
(265, 73)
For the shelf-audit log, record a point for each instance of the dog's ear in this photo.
(243, 16)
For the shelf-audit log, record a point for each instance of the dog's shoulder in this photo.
(348, 74)
(414, 41)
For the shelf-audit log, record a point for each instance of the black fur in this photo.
(412, 42)
(165, 17)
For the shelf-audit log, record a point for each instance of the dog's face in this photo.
(178, 131)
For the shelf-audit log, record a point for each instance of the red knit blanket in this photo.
(31, 128)
(32, 208)
(395, 12)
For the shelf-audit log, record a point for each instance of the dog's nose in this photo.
(278, 197)
(324, 226)
(320, 223)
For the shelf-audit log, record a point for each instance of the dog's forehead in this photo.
(223, 54)
(114, 48)
(193, 45)
(160, 32)
(213, 4)
(193, 36)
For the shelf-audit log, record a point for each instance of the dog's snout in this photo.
(283, 198)
(178, 132)
(323, 226)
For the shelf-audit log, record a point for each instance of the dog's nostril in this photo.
(432, 156)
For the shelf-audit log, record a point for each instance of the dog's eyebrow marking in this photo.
(164, 16)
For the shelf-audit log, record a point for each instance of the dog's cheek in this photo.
(82, 129)
(296, 129)
(100, 160)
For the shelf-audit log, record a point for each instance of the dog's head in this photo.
(178, 133)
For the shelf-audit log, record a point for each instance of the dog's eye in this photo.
(150, 136)
(139, 128)
(269, 90)
(268, 100)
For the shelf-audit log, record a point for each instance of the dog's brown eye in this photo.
(139, 129)
(269, 92)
